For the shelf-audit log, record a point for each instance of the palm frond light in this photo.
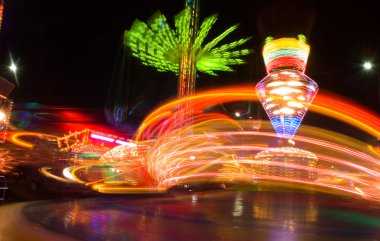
(159, 46)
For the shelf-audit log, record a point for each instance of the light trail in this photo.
(15, 138)
(213, 147)
(325, 103)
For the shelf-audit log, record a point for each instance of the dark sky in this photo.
(68, 51)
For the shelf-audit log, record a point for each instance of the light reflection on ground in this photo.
(220, 149)
(231, 215)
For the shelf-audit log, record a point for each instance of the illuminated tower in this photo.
(187, 70)
(286, 92)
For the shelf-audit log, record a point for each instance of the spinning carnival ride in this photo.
(216, 148)
(222, 150)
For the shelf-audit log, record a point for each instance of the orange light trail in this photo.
(15, 138)
(325, 103)
(213, 147)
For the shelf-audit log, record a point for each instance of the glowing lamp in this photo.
(367, 65)
(286, 92)
(13, 67)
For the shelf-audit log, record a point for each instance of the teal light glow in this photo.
(157, 45)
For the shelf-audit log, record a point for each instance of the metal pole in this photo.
(187, 71)
(187, 68)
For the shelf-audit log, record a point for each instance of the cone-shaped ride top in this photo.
(286, 92)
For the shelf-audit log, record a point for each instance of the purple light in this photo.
(95, 136)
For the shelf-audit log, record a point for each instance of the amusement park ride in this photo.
(183, 143)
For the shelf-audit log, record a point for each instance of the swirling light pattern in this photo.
(325, 103)
(1, 12)
(223, 150)
(16, 138)
(286, 92)
(220, 152)
(7, 161)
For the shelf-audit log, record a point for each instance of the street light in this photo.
(13, 67)
(367, 65)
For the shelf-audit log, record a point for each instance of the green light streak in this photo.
(268, 39)
(347, 216)
(302, 38)
(182, 23)
(158, 46)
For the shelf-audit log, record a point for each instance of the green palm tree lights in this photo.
(159, 46)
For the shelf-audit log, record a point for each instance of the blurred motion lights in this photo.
(2, 116)
(286, 92)
(1, 12)
(5, 112)
(90, 140)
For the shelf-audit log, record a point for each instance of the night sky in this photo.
(69, 52)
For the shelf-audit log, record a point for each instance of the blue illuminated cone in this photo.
(286, 92)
